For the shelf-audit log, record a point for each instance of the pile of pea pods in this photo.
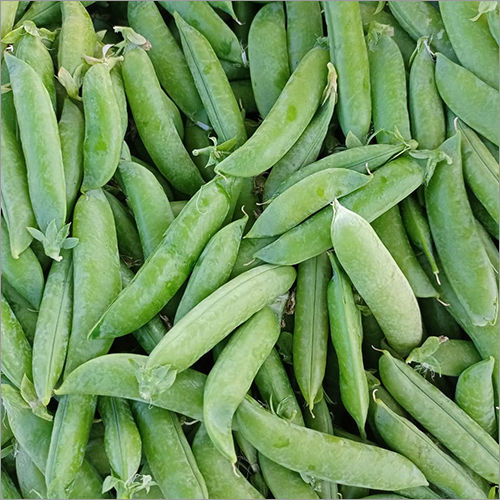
(249, 249)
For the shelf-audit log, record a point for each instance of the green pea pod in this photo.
(444, 356)
(114, 375)
(390, 184)
(349, 54)
(283, 482)
(53, 328)
(437, 320)
(213, 267)
(153, 120)
(379, 281)
(148, 202)
(211, 26)
(212, 84)
(481, 108)
(96, 275)
(176, 255)
(122, 442)
(77, 37)
(466, 439)
(245, 259)
(347, 333)
(8, 487)
(47, 15)
(388, 85)
(16, 204)
(389, 228)
(224, 6)
(456, 238)
(30, 478)
(219, 474)
(483, 216)
(285, 122)
(420, 19)
(474, 394)
(471, 39)
(490, 247)
(303, 27)
(232, 375)
(308, 145)
(492, 16)
(129, 242)
(426, 107)
(16, 350)
(164, 184)
(95, 454)
(42, 152)
(120, 97)
(326, 456)
(167, 58)
(9, 10)
(439, 468)
(168, 453)
(9, 118)
(70, 434)
(268, 56)
(305, 198)
(24, 273)
(72, 133)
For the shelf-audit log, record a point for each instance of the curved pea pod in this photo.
(219, 474)
(268, 56)
(120, 97)
(349, 54)
(72, 133)
(347, 334)
(168, 452)
(42, 152)
(16, 204)
(285, 122)
(310, 335)
(122, 443)
(439, 468)
(16, 350)
(389, 228)
(457, 241)
(483, 216)
(148, 202)
(24, 273)
(96, 275)
(212, 84)
(30, 478)
(379, 281)
(211, 26)
(224, 6)
(389, 185)
(53, 328)
(77, 37)
(388, 85)
(168, 266)
(426, 108)
(304, 198)
(115, 375)
(154, 122)
(308, 145)
(489, 246)
(446, 421)
(167, 58)
(9, 10)
(9, 118)
(492, 16)
(69, 438)
(232, 375)
(474, 394)
(481, 108)
(326, 456)
(422, 19)
(213, 267)
(444, 356)
(471, 39)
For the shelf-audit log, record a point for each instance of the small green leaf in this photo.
(69, 243)
(352, 141)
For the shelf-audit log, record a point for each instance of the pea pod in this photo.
(438, 321)
(483, 216)
(347, 334)
(348, 52)
(457, 242)
(8, 17)
(285, 122)
(30, 478)
(236, 369)
(489, 246)
(474, 394)
(224, 6)
(9, 489)
(380, 282)
(305, 198)
(47, 15)
(53, 328)
(96, 275)
(441, 417)
(213, 267)
(168, 452)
